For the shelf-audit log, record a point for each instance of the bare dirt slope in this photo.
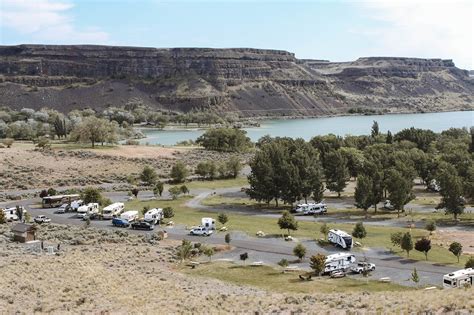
(113, 272)
(24, 167)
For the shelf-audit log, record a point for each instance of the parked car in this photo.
(359, 268)
(387, 205)
(142, 225)
(42, 219)
(200, 230)
(338, 274)
(120, 222)
(63, 208)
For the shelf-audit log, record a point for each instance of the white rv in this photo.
(130, 216)
(154, 215)
(208, 223)
(89, 209)
(76, 204)
(311, 208)
(340, 238)
(339, 262)
(459, 279)
(112, 211)
(11, 214)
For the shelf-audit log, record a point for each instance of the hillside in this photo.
(252, 82)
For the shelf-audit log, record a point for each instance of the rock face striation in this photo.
(250, 82)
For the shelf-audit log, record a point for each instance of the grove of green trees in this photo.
(385, 166)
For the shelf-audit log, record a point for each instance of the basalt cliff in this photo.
(251, 82)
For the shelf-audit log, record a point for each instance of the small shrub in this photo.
(283, 263)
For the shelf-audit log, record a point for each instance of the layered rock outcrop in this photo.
(252, 82)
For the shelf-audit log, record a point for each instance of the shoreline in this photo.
(292, 117)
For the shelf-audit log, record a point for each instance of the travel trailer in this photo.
(11, 214)
(339, 262)
(154, 215)
(459, 279)
(311, 208)
(208, 223)
(340, 238)
(130, 216)
(89, 209)
(112, 211)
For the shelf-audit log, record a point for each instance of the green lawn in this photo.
(215, 184)
(271, 279)
(377, 236)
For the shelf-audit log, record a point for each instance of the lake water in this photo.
(308, 128)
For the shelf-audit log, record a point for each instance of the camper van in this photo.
(459, 279)
(90, 209)
(130, 216)
(154, 216)
(311, 208)
(11, 213)
(112, 211)
(340, 238)
(208, 223)
(339, 262)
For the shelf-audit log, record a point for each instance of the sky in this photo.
(339, 30)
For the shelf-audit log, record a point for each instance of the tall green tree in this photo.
(389, 139)
(399, 190)
(336, 171)
(407, 243)
(363, 195)
(452, 194)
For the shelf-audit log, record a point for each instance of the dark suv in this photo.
(142, 225)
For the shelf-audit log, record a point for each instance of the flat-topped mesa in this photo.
(137, 62)
(252, 82)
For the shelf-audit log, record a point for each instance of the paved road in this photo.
(269, 250)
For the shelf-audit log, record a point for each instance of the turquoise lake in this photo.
(308, 128)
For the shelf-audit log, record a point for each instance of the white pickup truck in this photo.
(359, 268)
(200, 230)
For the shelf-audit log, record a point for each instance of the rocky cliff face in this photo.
(252, 82)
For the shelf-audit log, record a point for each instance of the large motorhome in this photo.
(339, 262)
(459, 279)
(89, 209)
(112, 211)
(311, 208)
(340, 238)
(56, 201)
(154, 215)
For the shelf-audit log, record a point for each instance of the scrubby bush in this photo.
(168, 212)
(179, 172)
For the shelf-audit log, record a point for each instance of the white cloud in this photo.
(46, 21)
(418, 28)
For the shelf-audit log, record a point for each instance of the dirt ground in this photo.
(445, 237)
(25, 167)
(115, 272)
